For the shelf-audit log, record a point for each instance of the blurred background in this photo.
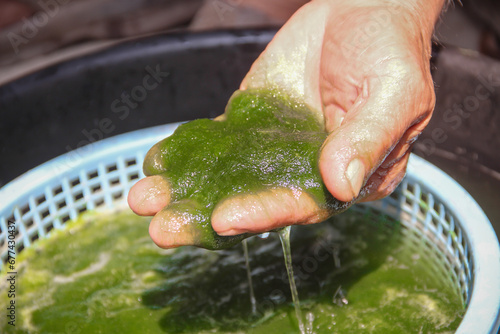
(47, 46)
(35, 33)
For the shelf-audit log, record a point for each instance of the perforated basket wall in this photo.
(435, 211)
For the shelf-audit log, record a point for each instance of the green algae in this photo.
(265, 140)
(104, 275)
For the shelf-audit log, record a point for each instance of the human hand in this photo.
(364, 67)
(364, 70)
(257, 166)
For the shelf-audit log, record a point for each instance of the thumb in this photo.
(368, 133)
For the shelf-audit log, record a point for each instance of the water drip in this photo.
(284, 234)
(249, 275)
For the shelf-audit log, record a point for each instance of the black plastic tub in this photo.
(137, 84)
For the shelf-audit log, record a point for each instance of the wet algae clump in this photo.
(263, 141)
(102, 274)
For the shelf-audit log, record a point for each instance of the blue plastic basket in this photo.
(432, 207)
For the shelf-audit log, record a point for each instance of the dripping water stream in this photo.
(284, 234)
(249, 275)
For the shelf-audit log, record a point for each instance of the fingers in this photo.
(153, 162)
(375, 85)
(221, 118)
(372, 128)
(385, 180)
(149, 195)
(266, 211)
(392, 170)
(178, 223)
(175, 226)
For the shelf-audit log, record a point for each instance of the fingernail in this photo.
(355, 174)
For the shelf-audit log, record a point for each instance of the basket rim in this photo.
(482, 314)
(484, 305)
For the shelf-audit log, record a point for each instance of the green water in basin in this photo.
(358, 272)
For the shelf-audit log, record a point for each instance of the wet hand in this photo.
(363, 66)
(253, 170)
(362, 70)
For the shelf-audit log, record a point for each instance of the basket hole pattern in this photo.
(40, 200)
(92, 175)
(95, 188)
(57, 190)
(61, 204)
(445, 234)
(443, 264)
(75, 192)
(439, 265)
(75, 182)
